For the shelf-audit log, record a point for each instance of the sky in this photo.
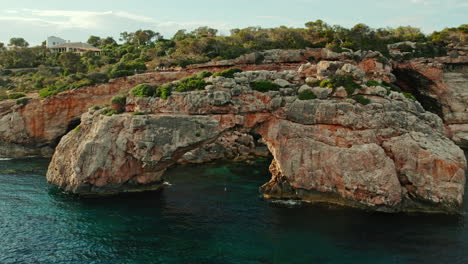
(35, 20)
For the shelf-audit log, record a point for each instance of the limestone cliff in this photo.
(441, 85)
(388, 155)
(34, 128)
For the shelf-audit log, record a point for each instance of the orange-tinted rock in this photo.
(390, 155)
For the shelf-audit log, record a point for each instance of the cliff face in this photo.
(389, 155)
(441, 85)
(34, 129)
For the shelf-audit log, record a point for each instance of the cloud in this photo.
(423, 2)
(36, 24)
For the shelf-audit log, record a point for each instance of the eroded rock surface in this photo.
(389, 155)
(441, 84)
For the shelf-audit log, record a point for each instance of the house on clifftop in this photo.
(59, 45)
(76, 47)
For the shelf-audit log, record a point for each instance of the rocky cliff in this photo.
(365, 147)
(441, 85)
(35, 128)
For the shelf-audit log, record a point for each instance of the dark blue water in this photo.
(211, 214)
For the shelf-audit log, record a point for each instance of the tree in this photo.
(94, 41)
(71, 62)
(108, 41)
(140, 37)
(18, 42)
(317, 26)
(2, 46)
(205, 32)
(181, 35)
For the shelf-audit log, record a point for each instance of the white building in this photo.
(54, 41)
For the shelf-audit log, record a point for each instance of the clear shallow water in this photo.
(211, 214)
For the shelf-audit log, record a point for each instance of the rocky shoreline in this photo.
(367, 147)
(388, 155)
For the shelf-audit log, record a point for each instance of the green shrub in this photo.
(126, 68)
(76, 129)
(119, 99)
(120, 73)
(16, 95)
(3, 97)
(5, 72)
(361, 99)
(164, 91)
(143, 90)
(43, 93)
(137, 113)
(229, 73)
(327, 84)
(98, 77)
(190, 84)
(347, 81)
(204, 74)
(20, 73)
(259, 58)
(409, 96)
(314, 83)
(373, 83)
(307, 95)
(110, 112)
(22, 101)
(264, 86)
(81, 83)
(385, 84)
(382, 60)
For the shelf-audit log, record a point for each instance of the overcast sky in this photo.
(34, 20)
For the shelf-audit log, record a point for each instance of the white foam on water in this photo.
(288, 203)
(5, 158)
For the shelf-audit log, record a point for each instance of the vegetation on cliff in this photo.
(145, 49)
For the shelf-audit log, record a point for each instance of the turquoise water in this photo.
(210, 214)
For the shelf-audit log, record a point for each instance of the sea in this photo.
(209, 213)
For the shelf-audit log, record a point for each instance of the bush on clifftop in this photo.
(229, 73)
(307, 95)
(143, 90)
(264, 86)
(361, 99)
(347, 81)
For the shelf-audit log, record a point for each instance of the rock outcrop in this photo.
(35, 128)
(441, 85)
(388, 155)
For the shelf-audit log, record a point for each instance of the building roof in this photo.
(76, 45)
